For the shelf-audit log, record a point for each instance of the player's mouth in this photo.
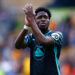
(43, 24)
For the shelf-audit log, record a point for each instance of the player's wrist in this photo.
(26, 27)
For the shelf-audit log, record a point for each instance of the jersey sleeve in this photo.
(27, 40)
(57, 37)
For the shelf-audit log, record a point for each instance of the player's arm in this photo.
(42, 39)
(19, 42)
(54, 38)
(38, 34)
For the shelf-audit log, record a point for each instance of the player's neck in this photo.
(44, 30)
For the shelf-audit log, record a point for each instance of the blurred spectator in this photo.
(5, 21)
(26, 62)
(72, 31)
(1, 70)
(66, 69)
(65, 27)
(67, 62)
(73, 71)
(52, 25)
(68, 29)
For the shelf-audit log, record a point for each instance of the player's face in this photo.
(42, 20)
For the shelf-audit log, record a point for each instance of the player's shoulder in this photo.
(56, 33)
(51, 32)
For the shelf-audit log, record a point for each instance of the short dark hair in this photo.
(39, 9)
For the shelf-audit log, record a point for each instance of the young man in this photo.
(45, 44)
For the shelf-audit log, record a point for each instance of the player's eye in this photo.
(39, 17)
(45, 17)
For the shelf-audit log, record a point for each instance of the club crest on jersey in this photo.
(39, 54)
(55, 36)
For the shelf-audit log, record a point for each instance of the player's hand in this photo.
(29, 15)
(26, 21)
